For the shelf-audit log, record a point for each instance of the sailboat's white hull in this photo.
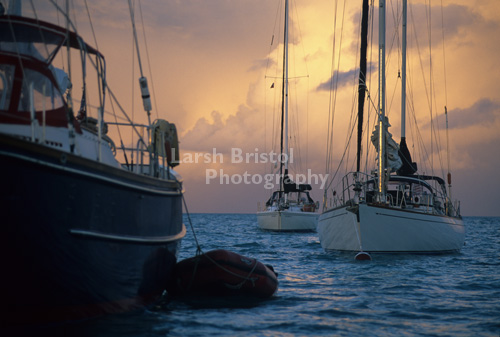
(287, 221)
(389, 230)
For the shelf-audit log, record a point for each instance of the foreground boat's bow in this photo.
(83, 234)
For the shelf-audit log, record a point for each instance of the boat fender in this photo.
(146, 98)
(363, 256)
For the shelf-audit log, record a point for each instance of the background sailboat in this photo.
(385, 212)
(290, 208)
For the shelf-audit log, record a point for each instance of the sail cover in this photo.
(393, 160)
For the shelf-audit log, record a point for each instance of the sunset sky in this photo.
(212, 65)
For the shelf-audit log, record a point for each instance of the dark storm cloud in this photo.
(482, 112)
(344, 78)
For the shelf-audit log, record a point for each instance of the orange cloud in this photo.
(208, 62)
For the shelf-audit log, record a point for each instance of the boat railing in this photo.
(357, 187)
(438, 203)
(353, 188)
(136, 152)
(142, 160)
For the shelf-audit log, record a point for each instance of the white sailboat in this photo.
(405, 212)
(290, 208)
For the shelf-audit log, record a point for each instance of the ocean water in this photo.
(331, 294)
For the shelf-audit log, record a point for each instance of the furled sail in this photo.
(393, 160)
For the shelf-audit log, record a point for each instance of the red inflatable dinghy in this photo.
(222, 273)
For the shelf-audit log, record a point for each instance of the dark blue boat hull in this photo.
(80, 238)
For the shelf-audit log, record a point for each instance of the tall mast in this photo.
(286, 85)
(284, 102)
(408, 166)
(362, 79)
(381, 121)
(403, 76)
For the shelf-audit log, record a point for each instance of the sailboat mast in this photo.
(362, 80)
(408, 167)
(403, 76)
(284, 104)
(381, 122)
(286, 85)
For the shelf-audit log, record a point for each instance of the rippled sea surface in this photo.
(331, 294)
